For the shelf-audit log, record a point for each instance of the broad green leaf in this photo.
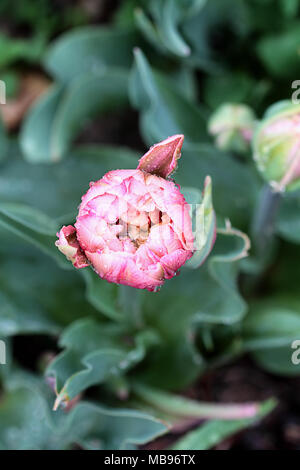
(62, 114)
(89, 50)
(231, 246)
(184, 78)
(36, 295)
(278, 361)
(206, 30)
(284, 280)
(94, 353)
(102, 294)
(272, 323)
(27, 422)
(57, 189)
(124, 15)
(130, 305)
(86, 97)
(35, 138)
(4, 142)
(164, 33)
(269, 332)
(214, 432)
(279, 52)
(288, 220)
(13, 50)
(205, 226)
(234, 87)
(117, 428)
(26, 317)
(289, 7)
(163, 110)
(31, 225)
(29, 217)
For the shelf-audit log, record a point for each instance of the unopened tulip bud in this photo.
(276, 146)
(232, 126)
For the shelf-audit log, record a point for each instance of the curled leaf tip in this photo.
(56, 403)
(61, 399)
(161, 159)
(136, 50)
(229, 230)
(207, 181)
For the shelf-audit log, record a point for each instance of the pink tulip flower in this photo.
(134, 226)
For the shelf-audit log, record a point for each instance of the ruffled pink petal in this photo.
(68, 244)
(134, 216)
(96, 189)
(94, 234)
(173, 261)
(90, 230)
(106, 206)
(168, 198)
(163, 240)
(121, 268)
(146, 257)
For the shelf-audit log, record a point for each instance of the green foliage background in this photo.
(172, 62)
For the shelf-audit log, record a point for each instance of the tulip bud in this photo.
(232, 126)
(134, 226)
(276, 146)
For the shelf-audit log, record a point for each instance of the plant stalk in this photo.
(263, 227)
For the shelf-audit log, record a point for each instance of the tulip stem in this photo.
(130, 302)
(264, 219)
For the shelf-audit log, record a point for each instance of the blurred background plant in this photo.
(90, 84)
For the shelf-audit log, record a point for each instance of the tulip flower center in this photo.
(139, 227)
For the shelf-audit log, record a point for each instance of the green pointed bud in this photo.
(276, 146)
(232, 125)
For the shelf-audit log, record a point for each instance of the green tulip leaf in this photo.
(168, 15)
(164, 111)
(214, 432)
(31, 225)
(53, 122)
(89, 50)
(29, 424)
(270, 330)
(205, 225)
(94, 353)
(279, 52)
(37, 297)
(288, 220)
